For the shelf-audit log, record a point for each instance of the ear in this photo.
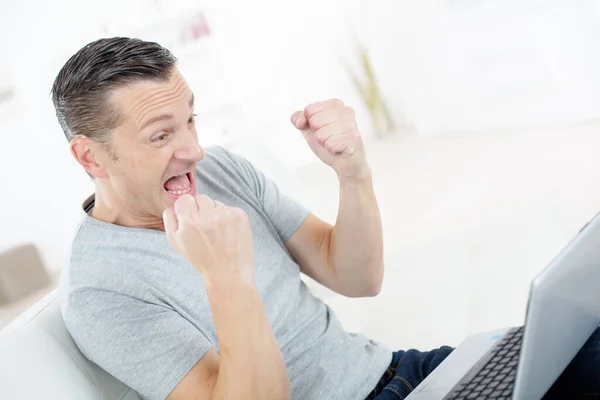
(86, 153)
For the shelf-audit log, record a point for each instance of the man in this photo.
(184, 279)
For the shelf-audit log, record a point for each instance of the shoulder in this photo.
(228, 169)
(124, 260)
(225, 160)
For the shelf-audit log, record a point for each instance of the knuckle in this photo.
(336, 102)
(309, 110)
(331, 146)
(232, 211)
(202, 197)
(350, 126)
(238, 212)
(317, 126)
(241, 216)
(316, 122)
(321, 135)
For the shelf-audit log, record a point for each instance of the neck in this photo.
(111, 209)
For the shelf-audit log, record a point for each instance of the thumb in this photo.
(171, 223)
(300, 121)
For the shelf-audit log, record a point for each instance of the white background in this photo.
(501, 171)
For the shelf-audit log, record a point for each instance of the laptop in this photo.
(522, 363)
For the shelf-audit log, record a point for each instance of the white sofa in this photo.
(39, 360)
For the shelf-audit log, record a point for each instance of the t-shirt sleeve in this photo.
(285, 213)
(149, 347)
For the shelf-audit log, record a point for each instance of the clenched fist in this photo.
(330, 130)
(214, 238)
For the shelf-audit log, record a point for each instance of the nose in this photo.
(190, 149)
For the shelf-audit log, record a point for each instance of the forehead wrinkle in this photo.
(149, 108)
(139, 98)
(148, 102)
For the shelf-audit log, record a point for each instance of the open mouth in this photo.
(178, 185)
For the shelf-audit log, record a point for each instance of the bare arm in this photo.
(347, 258)
(251, 365)
(356, 242)
(217, 241)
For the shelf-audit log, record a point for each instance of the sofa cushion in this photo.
(39, 359)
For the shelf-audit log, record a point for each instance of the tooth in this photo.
(181, 191)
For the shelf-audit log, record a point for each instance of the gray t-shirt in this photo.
(139, 310)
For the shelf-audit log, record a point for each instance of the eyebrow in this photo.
(164, 117)
(156, 119)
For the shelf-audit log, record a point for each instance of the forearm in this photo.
(356, 241)
(251, 364)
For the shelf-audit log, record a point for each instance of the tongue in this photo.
(178, 183)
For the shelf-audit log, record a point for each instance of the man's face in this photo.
(156, 147)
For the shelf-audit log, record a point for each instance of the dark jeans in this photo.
(580, 380)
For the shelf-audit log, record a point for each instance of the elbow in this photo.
(370, 288)
(373, 290)
(376, 289)
(376, 283)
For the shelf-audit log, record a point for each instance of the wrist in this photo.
(228, 281)
(363, 176)
(233, 297)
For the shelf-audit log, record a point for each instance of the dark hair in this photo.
(82, 88)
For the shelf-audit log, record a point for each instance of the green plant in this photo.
(368, 89)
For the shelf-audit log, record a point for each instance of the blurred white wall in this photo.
(487, 65)
(501, 171)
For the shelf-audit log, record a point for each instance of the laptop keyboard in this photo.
(494, 376)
